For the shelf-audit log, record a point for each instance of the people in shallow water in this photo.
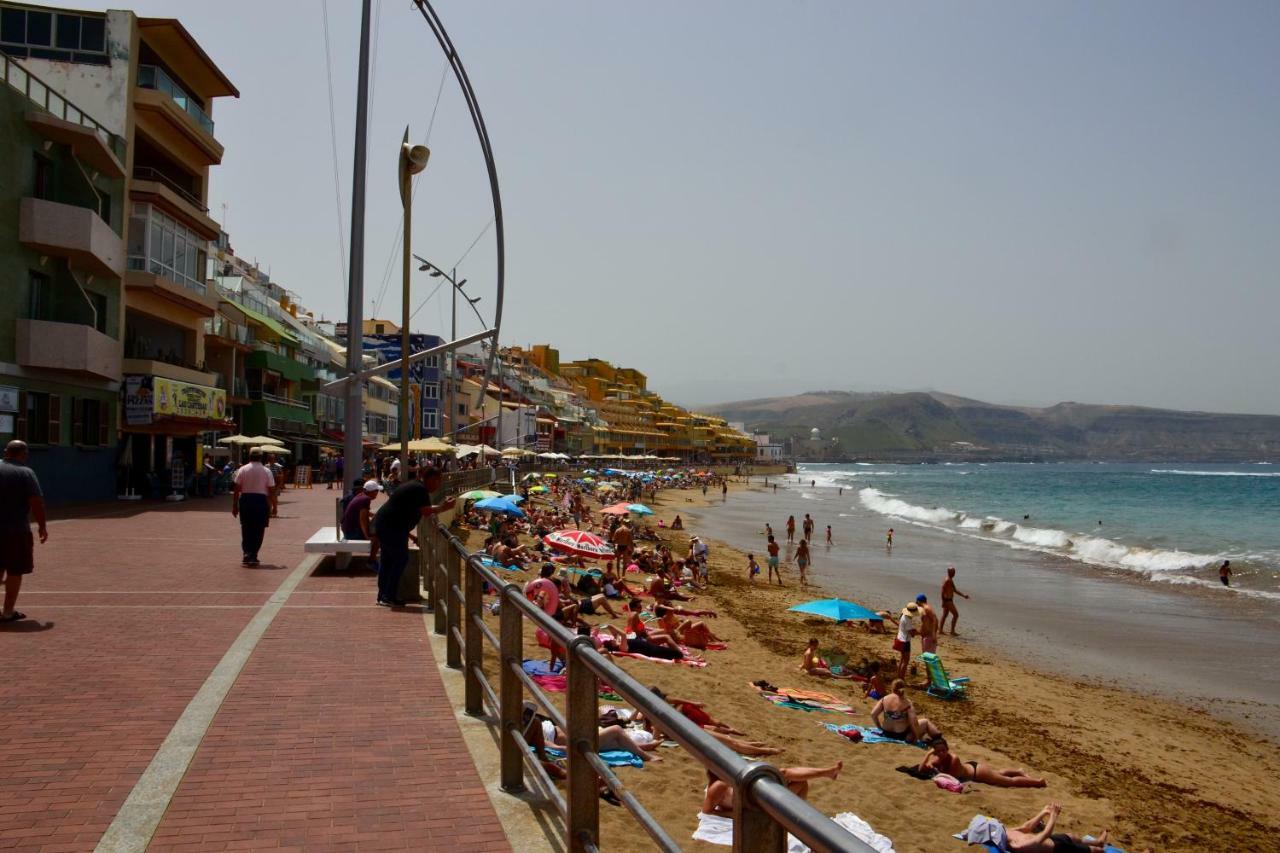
(1224, 573)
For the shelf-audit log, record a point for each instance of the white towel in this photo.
(715, 829)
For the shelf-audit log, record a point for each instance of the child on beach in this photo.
(828, 535)
(875, 686)
(773, 560)
(753, 568)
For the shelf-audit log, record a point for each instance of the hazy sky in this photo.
(1021, 202)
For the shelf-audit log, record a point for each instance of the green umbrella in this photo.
(479, 495)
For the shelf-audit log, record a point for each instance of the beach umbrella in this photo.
(515, 499)
(606, 487)
(838, 609)
(549, 476)
(264, 439)
(579, 542)
(238, 439)
(538, 490)
(588, 479)
(531, 476)
(500, 505)
(639, 509)
(393, 447)
(271, 448)
(431, 445)
(590, 471)
(616, 509)
(548, 455)
(479, 495)
(486, 450)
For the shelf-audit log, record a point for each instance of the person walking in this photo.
(252, 491)
(949, 593)
(20, 499)
(395, 520)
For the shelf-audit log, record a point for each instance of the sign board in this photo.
(8, 398)
(7, 424)
(148, 396)
(302, 476)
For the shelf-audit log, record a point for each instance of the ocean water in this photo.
(1164, 523)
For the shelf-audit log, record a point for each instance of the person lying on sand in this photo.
(609, 639)
(941, 759)
(812, 663)
(723, 732)
(718, 799)
(661, 588)
(688, 632)
(895, 716)
(1034, 836)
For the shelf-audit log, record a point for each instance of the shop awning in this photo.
(269, 322)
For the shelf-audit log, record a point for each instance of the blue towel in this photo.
(541, 667)
(869, 735)
(612, 757)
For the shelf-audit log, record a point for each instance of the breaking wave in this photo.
(1215, 473)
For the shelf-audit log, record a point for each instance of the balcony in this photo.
(74, 233)
(170, 371)
(193, 299)
(70, 347)
(152, 186)
(159, 97)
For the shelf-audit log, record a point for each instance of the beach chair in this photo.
(940, 684)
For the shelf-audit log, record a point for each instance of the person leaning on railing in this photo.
(408, 504)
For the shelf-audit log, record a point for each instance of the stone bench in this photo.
(327, 541)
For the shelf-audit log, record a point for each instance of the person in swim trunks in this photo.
(1224, 573)
(773, 561)
(949, 592)
(1037, 836)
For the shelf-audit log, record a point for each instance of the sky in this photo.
(1019, 202)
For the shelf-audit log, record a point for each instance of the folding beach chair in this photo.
(941, 684)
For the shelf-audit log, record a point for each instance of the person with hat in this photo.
(906, 630)
(252, 488)
(928, 625)
(357, 517)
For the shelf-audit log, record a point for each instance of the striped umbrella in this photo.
(579, 542)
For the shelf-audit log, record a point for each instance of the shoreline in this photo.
(1113, 756)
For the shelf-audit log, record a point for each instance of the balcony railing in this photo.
(146, 173)
(282, 401)
(151, 77)
(39, 93)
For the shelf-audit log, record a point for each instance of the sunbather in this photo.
(813, 663)
(1034, 836)
(694, 634)
(896, 717)
(723, 732)
(943, 760)
(609, 639)
(718, 799)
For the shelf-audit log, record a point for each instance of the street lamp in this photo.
(413, 159)
(436, 272)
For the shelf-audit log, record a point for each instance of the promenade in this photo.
(163, 697)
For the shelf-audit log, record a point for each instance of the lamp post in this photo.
(413, 159)
(452, 278)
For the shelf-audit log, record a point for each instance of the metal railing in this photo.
(147, 173)
(153, 77)
(39, 93)
(765, 811)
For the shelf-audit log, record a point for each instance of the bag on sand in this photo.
(949, 783)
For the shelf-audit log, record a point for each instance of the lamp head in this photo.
(414, 157)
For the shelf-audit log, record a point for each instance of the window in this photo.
(39, 418)
(42, 177)
(431, 391)
(432, 361)
(99, 302)
(166, 247)
(379, 329)
(89, 422)
(39, 296)
(430, 419)
(60, 36)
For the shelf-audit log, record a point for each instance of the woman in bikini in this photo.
(802, 561)
(895, 717)
(693, 633)
(941, 759)
(814, 665)
(723, 732)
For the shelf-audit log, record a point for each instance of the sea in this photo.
(1103, 572)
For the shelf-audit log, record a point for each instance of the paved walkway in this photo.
(162, 694)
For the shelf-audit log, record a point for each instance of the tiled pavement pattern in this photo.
(335, 735)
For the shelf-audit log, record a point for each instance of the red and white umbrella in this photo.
(579, 542)
(616, 509)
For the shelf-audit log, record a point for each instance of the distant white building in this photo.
(766, 451)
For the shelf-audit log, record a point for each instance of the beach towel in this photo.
(787, 698)
(809, 695)
(869, 735)
(541, 667)
(612, 757)
(685, 661)
(717, 647)
(560, 684)
(717, 829)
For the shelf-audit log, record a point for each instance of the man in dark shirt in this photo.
(20, 498)
(398, 517)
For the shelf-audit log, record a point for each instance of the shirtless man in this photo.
(719, 795)
(1037, 836)
(949, 592)
(814, 665)
(888, 541)
(828, 535)
(807, 527)
(791, 528)
(773, 561)
(928, 625)
(622, 542)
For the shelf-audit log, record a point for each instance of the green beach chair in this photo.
(940, 684)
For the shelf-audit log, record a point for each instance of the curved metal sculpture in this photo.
(477, 119)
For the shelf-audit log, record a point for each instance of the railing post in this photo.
(453, 579)
(581, 716)
(473, 652)
(511, 637)
(429, 543)
(753, 830)
(437, 569)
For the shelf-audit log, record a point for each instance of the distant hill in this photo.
(930, 424)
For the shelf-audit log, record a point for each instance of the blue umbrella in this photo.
(515, 499)
(838, 609)
(502, 505)
(639, 509)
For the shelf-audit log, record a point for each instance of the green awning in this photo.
(270, 323)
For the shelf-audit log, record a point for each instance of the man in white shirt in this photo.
(250, 500)
(906, 630)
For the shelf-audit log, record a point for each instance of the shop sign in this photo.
(8, 398)
(184, 400)
(138, 400)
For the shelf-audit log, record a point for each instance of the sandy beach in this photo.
(1158, 773)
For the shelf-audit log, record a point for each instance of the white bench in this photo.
(326, 541)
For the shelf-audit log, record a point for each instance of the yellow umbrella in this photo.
(271, 448)
(237, 439)
(430, 445)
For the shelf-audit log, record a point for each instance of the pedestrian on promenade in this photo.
(357, 518)
(254, 486)
(20, 498)
(277, 477)
(399, 517)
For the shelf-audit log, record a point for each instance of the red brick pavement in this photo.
(337, 732)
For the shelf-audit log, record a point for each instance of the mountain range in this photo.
(924, 425)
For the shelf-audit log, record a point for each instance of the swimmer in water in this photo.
(888, 542)
(1224, 573)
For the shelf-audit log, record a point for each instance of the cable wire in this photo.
(333, 145)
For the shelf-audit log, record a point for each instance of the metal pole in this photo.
(453, 361)
(406, 205)
(353, 428)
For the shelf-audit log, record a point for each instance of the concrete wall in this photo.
(101, 91)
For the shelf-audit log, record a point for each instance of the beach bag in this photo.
(949, 783)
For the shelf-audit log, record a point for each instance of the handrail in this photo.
(148, 173)
(765, 809)
(20, 79)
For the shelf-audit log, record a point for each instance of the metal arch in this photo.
(473, 107)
